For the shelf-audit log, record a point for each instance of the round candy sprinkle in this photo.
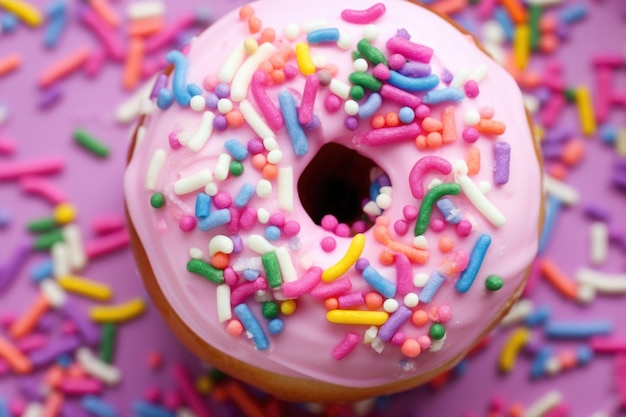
(437, 331)
(157, 200)
(270, 309)
(494, 283)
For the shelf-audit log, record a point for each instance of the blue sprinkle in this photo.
(448, 210)
(64, 361)
(378, 282)
(374, 190)
(553, 208)
(57, 21)
(406, 115)
(476, 260)
(165, 99)
(371, 105)
(146, 409)
(194, 89)
(203, 205)
(431, 287)
(4, 411)
(250, 274)
(8, 22)
(584, 355)
(539, 316)
(573, 13)
(298, 138)
(413, 84)
(323, 35)
(5, 218)
(215, 219)
(577, 329)
(443, 96)
(97, 406)
(538, 366)
(502, 17)
(461, 367)
(41, 271)
(276, 326)
(244, 195)
(237, 150)
(608, 134)
(272, 232)
(251, 324)
(179, 80)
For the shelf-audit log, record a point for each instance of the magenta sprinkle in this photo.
(404, 274)
(471, 89)
(381, 71)
(410, 50)
(427, 163)
(269, 110)
(470, 135)
(332, 103)
(398, 338)
(303, 285)
(390, 135)
(255, 146)
(399, 96)
(359, 226)
(168, 34)
(401, 227)
(333, 289)
(187, 223)
(230, 276)
(247, 289)
(422, 111)
(342, 230)
(173, 140)
(248, 218)
(222, 200)
(291, 228)
(410, 212)
(437, 225)
(329, 222)
(328, 244)
(395, 61)
(106, 244)
(464, 228)
(307, 104)
(346, 346)
(290, 71)
(277, 219)
(233, 224)
(353, 299)
(363, 17)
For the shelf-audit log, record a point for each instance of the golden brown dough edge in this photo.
(280, 386)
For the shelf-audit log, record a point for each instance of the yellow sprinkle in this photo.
(250, 45)
(368, 318)
(288, 307)
(86, 287)
(118, 313)
(64, 213)
(521, 45)
(585, 110)
(352, 255)
(512, 347)
(25, 11)
(305, 62)
(204, 385)
(620, 142)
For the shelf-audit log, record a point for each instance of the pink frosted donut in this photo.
(337, 205)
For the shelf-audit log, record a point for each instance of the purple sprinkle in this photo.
(211, 101)
(53, 350)
(159, 83)
(222, 90)
(50, 96)
(619, 181)
(351, 123)
(558, 135)
(237, 244)
(502, 157)
(361, 264)
(415, 69)
(552, 150)
(220, 123)
(15, 264)
(594, 211)
(542, 94)
(314, 123)
(384, 180)
(31, 388)
(403, 33)
(47, 322)
(5, 218)
(89, 332)
(394, 322)
(255, 146)
(446, 76)
(619, 165)
(562, 31)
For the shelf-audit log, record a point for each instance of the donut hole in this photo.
(338, 182)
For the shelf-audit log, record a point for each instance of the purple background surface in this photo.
(94, 186)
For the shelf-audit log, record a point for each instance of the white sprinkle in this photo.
(263, 216)
(33, 409)
(339, 88)
(567, 194)
(292, 31)
(420, 242)
(211, 189)
(420, 279)
(383, 201)
(275, 156)
(351, 107)
(319, 60)
(478, 199)
(471, 117)
(98, 369)
(202, 134)
(270, 143)
(492, 32)
(345, 41)
(531, 103)
(224, 105)
(370, 32)
(387, 190)
(285, 189)
(220, 243)
(263, 188)
(193, 182)
(60, 259)
(552, 366)
(484, 187)
(518, 312)
(53, 292)
(224, 312)
(544, 404)
(390, 305)
(599, 237)
(76, 250)
(460, 77)
(378, 345)
(146, 106)
(360, 65)
(371, 208)
(139, 135)
(585, 294)
(231, 64)
(128, 110)
(411, 300)
(222, 166)
(196, 253)
(312, 25)
(154, 168)
(197, 103)
(287, 269)
(370, 334)
(259, 244)
(241, 81)
(254, 119)
(602, 281)
(436, 345)
(479, 73)
(145, 9)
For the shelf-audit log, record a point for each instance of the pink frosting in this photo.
(305, 347)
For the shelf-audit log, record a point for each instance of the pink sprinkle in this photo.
(255, 146)
(222, 200)
(277, 219)
(437, 225)
(398, 338)
(31, 342)
(404, 98)
(209, 82)
(328, 244)
(187, 223)
(409, 50)
(381, 71)
(329, 222)
(95, 62)
(401, 227)
(155, 360)
(464, 228)
(444, 312)
(604, 81)
(333, 289)
(304, 285)
(230, 276)
(363, 17)
(6, 320)
(346, 346)
(187, 389)
(247, 289)
(108, 37)
(552, 110)
(390, 135)
(470, 135)
(107, 223)
(268, 109)
(173, 140)
(422, 111)
(17, 407)
(248, 218)
(427, 163)
(80, 386)
(485, 8)
(609, 60)
(608, 344)
(7, 146)
(107, 244)
(410, 212)
(290, 71)
(359, 226)
(332, 103)
(471, 89)
(424, 341)
(165, 36)
(396, 62)
(44, 188)
(233, 225)
(152, 394)
(342, 230)
(305, 113)
(43, 166)
(404, 274)
(486, 112)
(172, 400)
(352, 299)
(291, 228)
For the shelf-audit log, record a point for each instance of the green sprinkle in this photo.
(365, 80)
(357, 92)
(534, 18)
(494, 283)
(272, 270)
(270, 309)
(157, 200)
(90, 143)
(371, 53)
(196, 266)
(356, 55)
(107, 344)
(44, 224)
(570, 95)
(47, 240)
(437, 331)
(236, 168)
(438, 191)
(473, 2)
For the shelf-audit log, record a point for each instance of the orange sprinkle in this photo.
(445, 244)
(516, 410)
(25, 324)
(63, 68)
(411, 348)
(473, 161)
(430, 124)
(561, 282)
(220, 260)
(268, 35)
(238, 395)
(516, 10)
(132, 66)
(10, 63)
(76, 371)
(53, 404)
(373, 300)
(420, 142)
(548, 43)
(392, 119)
(254, 24)
(16, 359)
(378, 122)
(278, 76)
(145, 27)
(286, 52)
(449, 125)
(266, 66)
(419, 318)
(386, 257)
(54, 375)
(259, 161)
(234, 328)
(434, 140)
(277, 61)
(270, 172)
(234, 119)
(573, 152)
(490, 127)
(449, 6)
(531, 79)
(568, 359)
(331, 303)
(558, 171)
(246, 12)
(106, 12)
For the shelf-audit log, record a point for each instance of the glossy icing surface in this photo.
(304, 348)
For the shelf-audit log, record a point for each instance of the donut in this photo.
(333, 200)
